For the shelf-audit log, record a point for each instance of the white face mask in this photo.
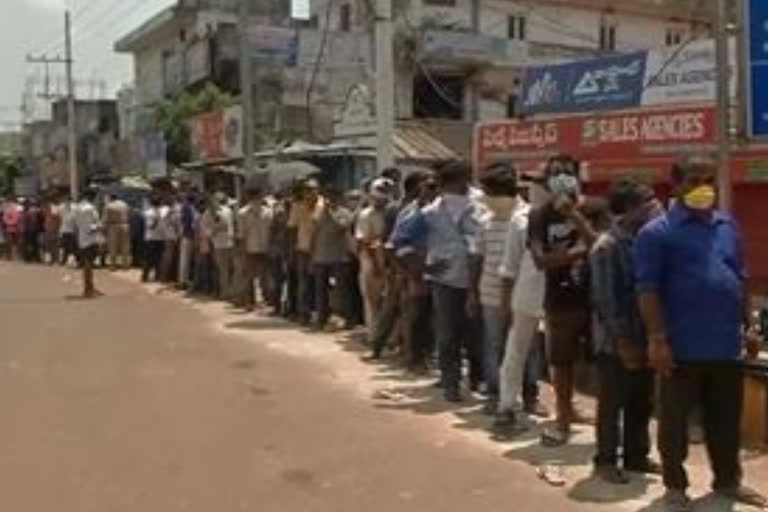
(563, 184)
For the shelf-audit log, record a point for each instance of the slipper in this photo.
(553, 437)
(553, 475)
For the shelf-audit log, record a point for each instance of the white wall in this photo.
(149, 74)
(572, 27)
(459, 16)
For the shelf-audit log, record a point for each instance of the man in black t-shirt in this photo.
(560, 234)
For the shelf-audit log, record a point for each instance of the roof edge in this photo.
(138, 37)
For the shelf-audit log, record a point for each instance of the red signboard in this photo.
(217, 135)
(602, 141)
(206, 136)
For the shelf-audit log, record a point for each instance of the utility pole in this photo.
(385, 86)
(246, 86)
(722, 31)
(71, 125)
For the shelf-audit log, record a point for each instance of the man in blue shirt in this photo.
(625, 381)
(449, 227)
(188, 221)
(690, 277)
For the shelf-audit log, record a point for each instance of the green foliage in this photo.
(9, 171)
(170, 117)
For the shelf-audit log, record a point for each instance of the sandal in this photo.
(554, 437)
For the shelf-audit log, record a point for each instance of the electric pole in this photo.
(385, 86)
(71, 124)
(246, 86)
(722, 32)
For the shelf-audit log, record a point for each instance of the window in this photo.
(345, 18)
(438, 96)
(674, 36)
(440, 3)
(516, 27)
(512, 112)
(608, 37)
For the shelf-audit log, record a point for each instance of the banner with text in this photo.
(622, 136)
(598, 84)
(667, 76)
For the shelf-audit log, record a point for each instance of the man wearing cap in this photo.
(370, 232)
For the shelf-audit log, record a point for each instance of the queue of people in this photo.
(493, 285)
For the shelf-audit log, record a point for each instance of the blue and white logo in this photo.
(609, 83)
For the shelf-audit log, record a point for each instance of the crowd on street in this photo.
(493, 284)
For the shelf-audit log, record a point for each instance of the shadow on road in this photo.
(707, 503)
(260, 324)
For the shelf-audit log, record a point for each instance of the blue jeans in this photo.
(453, 329)
(495, 331)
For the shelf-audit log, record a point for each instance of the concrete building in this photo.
(46, 150)
(190, 43)
(459, 61)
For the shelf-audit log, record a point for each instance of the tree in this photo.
(10, 169)
(170, 117)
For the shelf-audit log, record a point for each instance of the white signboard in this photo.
(687, 75)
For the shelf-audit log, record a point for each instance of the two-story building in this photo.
(460, 61)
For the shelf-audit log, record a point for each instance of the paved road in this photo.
(139, 402)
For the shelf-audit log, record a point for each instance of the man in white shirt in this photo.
(253, 225)
(154, 239)
(370, 233)
(170, 224)
(501, 202)
(89, 238)
(219, 221)
(523, 295)
(67, 231)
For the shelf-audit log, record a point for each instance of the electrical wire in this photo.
(316, 67)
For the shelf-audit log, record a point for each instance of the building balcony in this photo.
(466, 49)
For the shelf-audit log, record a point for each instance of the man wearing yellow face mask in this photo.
(690, 277)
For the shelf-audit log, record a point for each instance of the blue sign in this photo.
(597, 84)
(756, 42)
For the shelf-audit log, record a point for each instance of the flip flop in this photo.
(552, 474)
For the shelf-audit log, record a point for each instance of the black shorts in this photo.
(566, 333)
(90, 253)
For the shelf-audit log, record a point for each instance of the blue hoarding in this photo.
(756, 43)
(614, 82)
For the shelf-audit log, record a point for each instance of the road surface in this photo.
(144, 402)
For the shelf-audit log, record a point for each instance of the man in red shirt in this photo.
(12, 224)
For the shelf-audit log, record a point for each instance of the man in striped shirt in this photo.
(501, 203)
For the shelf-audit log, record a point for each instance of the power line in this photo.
(316, 67)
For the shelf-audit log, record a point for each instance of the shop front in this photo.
(643, 143)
